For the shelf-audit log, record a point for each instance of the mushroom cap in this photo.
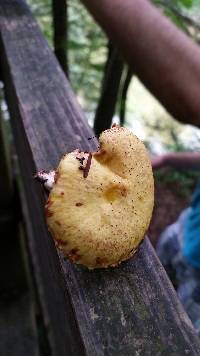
(99, 220)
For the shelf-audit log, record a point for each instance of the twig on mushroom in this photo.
(87, 167)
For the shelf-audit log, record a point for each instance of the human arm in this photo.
(164, 58)
(188, 160)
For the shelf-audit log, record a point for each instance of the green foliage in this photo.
(177, 3)
(86, 47)
(87, 54)
(182, 13)
(175, 19)
(42, 12)
(182, 182)
(166, 131)
(186, 3)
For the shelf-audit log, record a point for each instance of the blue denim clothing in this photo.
(191, 232)
(184, 277)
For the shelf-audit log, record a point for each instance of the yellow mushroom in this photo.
(101, 203)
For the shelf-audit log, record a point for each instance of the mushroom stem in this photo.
(46, 178)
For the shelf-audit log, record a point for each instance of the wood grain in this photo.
(6, 188)
(130, 310)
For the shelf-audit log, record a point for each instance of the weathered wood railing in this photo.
(130, 310)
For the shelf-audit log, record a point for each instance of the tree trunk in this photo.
(59, 13)
(126, 84)
(109, 93)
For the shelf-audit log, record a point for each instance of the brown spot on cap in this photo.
(57, 175)
(59, 242)
(79, 204)
(101, 261)
(74, 250)
(73, 256)
(49, 202)
(58, 222)
(48, 213)
(124, 192)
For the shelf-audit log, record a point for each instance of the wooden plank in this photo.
(130, 310)
(18, 331)
(6, 189)
(17, 326)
